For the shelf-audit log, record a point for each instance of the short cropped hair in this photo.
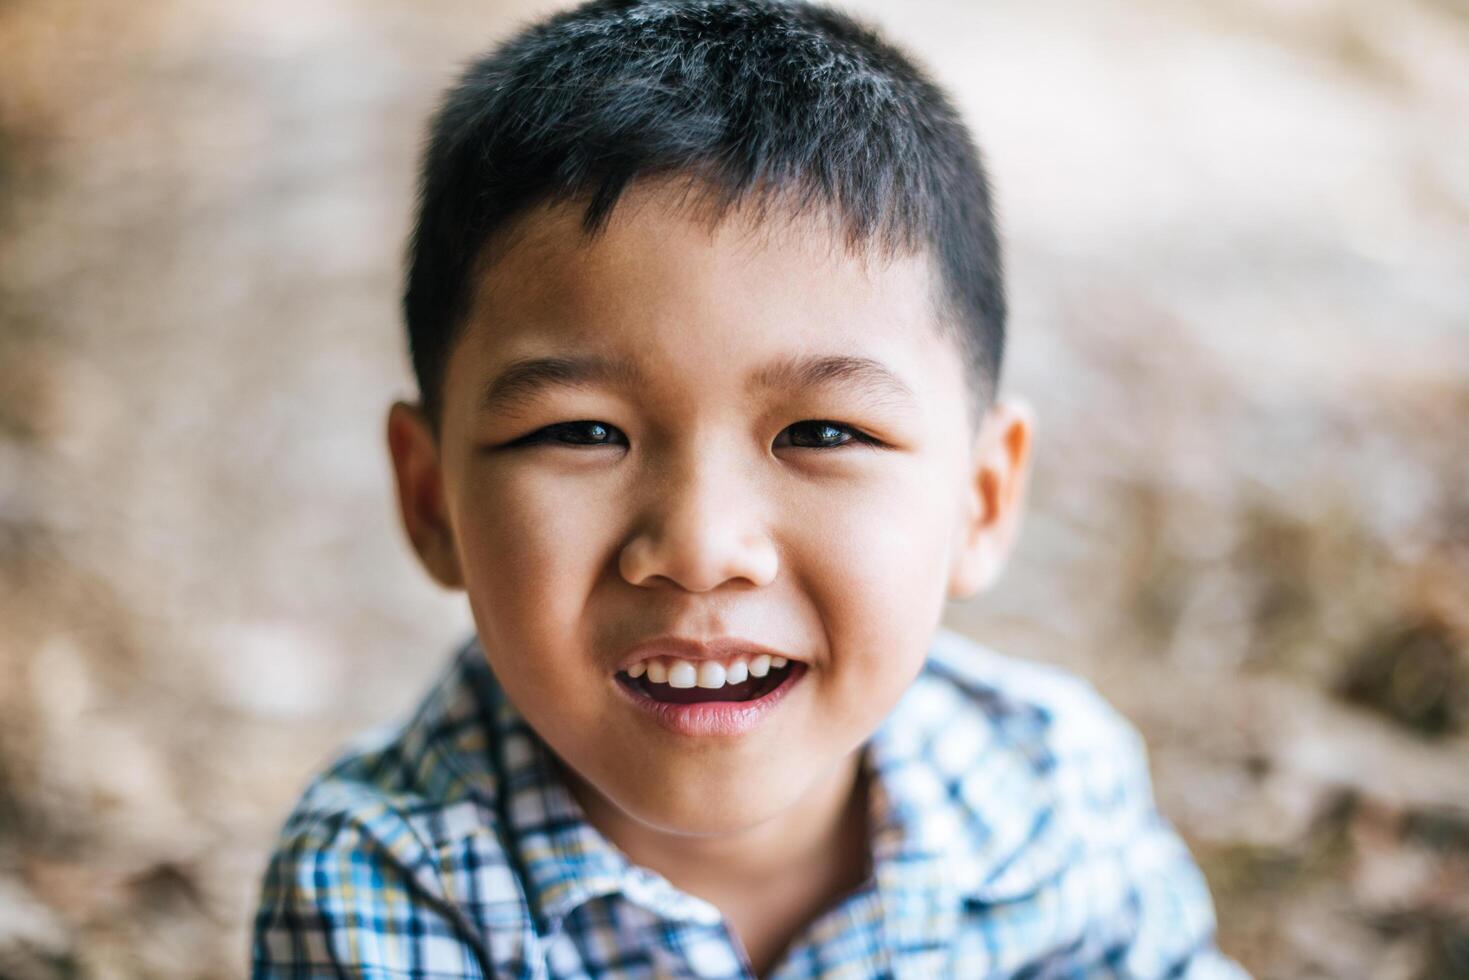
(770, 100)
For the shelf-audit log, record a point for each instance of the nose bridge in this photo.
(701, 521)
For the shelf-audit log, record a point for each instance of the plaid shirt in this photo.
(1014, 835)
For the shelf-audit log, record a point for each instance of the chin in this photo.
(717, 810)
(706, 824)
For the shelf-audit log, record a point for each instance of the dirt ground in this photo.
(1238, 239)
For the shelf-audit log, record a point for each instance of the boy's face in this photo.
(718, 483)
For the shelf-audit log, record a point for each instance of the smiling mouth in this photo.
(752, 689)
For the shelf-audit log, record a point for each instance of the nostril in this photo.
(700, 560)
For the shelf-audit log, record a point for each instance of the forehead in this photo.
(664, 284)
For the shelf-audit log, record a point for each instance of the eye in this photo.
(584, 432)
(821, 434)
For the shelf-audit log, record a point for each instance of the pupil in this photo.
(587, 432)
(823, 433)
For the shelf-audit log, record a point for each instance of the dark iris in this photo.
(581, 433)
(594, 432)
(819, 434)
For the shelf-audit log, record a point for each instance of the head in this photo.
(705, 306)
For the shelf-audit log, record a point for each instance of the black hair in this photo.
(759, 99)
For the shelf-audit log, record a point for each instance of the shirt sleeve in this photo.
(344, 896)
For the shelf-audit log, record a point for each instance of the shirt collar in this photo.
(962, 809)
(565, 860)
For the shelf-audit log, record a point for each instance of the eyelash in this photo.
(548, 434)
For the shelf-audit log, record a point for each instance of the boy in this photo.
(705, 306)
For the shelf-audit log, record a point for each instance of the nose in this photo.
(700, 528)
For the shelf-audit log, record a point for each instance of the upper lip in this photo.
(716, 648)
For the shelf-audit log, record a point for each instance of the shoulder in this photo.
(1074, 775)
(987, 675)
(403, 778)
(392, 855)
(1058, 715)
(1075, 770)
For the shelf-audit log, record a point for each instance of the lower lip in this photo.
(714, 718)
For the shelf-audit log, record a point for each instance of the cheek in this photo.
(875, 559)
(531, 550)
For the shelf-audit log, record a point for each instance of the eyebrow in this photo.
(527, 377)
(816, 370)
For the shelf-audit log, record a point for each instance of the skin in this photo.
(708, 506)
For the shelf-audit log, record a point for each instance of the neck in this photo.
(823, 837)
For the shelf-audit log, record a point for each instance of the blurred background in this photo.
(1238, 241)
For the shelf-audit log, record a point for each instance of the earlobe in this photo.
(414, 451)
(994, 498)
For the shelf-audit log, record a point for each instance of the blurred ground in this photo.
(1239, 242)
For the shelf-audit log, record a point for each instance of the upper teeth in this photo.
(705, 673)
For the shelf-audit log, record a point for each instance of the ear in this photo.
(994, 498)
(420, 477)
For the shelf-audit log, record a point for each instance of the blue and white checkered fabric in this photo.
(1014, 835)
